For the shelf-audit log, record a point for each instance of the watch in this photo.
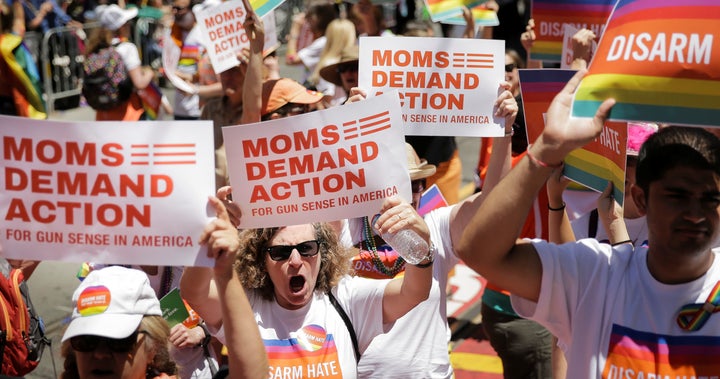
(430, 257)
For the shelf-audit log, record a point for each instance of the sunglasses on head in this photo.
(283, 252)
(88, 343)
(510, 67)
(347, 67)
(418, 186)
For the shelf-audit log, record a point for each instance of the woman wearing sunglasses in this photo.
(117, 329)
(292, 276)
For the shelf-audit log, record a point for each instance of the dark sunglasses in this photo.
(88, 343)
(510, 67)
(291, 109)
(347, 67)
(175, 8)
(418, 186)
(282, 252)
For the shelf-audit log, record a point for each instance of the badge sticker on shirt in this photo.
(309, 353)
(636, 354)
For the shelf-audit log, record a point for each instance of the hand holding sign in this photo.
(506, 106)
(234, 212)
(563, 134)
(221, 238)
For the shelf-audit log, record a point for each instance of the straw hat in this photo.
(350, 54)
(417, 168)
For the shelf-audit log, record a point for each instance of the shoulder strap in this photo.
(593, 223)
(347, 322)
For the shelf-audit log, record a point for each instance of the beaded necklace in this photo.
(166, 280)
(369, 242)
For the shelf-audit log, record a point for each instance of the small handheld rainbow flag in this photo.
(431, 199)
(151, 97)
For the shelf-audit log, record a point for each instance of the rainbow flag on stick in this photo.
(431, 199)
(441, 10)
(481, 14)
(551, 15)
(151, 97)
(660, 60)
(596, 163)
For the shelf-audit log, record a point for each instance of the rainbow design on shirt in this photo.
(93, 300)
(636, 354)
(550, 15)
(309, 353)
(658, 59)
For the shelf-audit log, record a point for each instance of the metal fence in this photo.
(60, 55)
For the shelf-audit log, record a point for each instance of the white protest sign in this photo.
(110, 192)
(222, 28)
(170, 59)
(447, 86)
(327, 165)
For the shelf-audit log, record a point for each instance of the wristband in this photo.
(560, 208)
(541, 163)
(621, 243)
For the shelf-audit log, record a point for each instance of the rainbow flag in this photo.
(431, 199)
(481, 14)
(27, 79)
(443, 9)
(551, 15)
(660, 60)
(596, 163)
(151, 97)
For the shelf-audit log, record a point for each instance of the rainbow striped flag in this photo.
(660, 60)
(595, 164)
(551, 15)
(151, 97)
(443, 9)
(481, 14)
(430, 200)
(263, 7)
(26, 77)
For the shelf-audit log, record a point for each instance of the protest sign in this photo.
(111, 192)
(224, 34)
(264, 7)
(596, 163)
(170, 59)
(448, 86)
(481, 15)
(659, 60)
(327, 165)
(551, 15)
(173, 308)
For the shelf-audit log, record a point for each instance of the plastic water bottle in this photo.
(407, 243)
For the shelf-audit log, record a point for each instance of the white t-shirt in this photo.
(310, 55)
(636, 227)
(191, 52)
(416, 345)
(618, 321)
(128, 52)
(313, 341)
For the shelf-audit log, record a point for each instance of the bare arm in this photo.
(404, 293)
(582, 48)
(252, 86)
(559, 228)
(141, 76)
(505, 261)
(611, 215)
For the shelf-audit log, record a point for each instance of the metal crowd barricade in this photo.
(33, 41)
(62, 57)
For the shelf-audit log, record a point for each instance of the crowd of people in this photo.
(596, 292)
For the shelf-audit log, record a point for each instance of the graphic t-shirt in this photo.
(190, 53)
(313, 341)
(616, 320)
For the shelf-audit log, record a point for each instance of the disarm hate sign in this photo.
(322, 166)
(111, 192)
(447, 86)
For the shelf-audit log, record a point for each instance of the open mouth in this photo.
(297, 283)
(98, 372)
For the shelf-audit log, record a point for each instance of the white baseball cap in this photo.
(111, 302)
(113, 17)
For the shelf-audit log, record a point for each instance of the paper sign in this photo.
(109, 192)
(592, 165)
(448, 86)
(443, 9)
(170, 58)
(222, 27)
(551, 15)
(321, 166)
(481, 15)
(660, 61)
(430, 200)
(173, 308)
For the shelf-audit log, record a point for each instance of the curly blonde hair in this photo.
(252, 272)
(157, 333)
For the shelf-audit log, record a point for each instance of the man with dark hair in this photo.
(621, 312)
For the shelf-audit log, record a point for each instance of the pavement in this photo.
(53, 283)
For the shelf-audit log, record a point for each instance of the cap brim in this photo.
(331, 74)
(306, 97)
(103, 325)
(422, 172)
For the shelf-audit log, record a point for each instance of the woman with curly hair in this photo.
(313, 317)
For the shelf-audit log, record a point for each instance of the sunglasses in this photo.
(347, 67)
(88, 343)
(510, 67)
(292, 109)
(418, 186)
(178, 9)
(282, 252)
